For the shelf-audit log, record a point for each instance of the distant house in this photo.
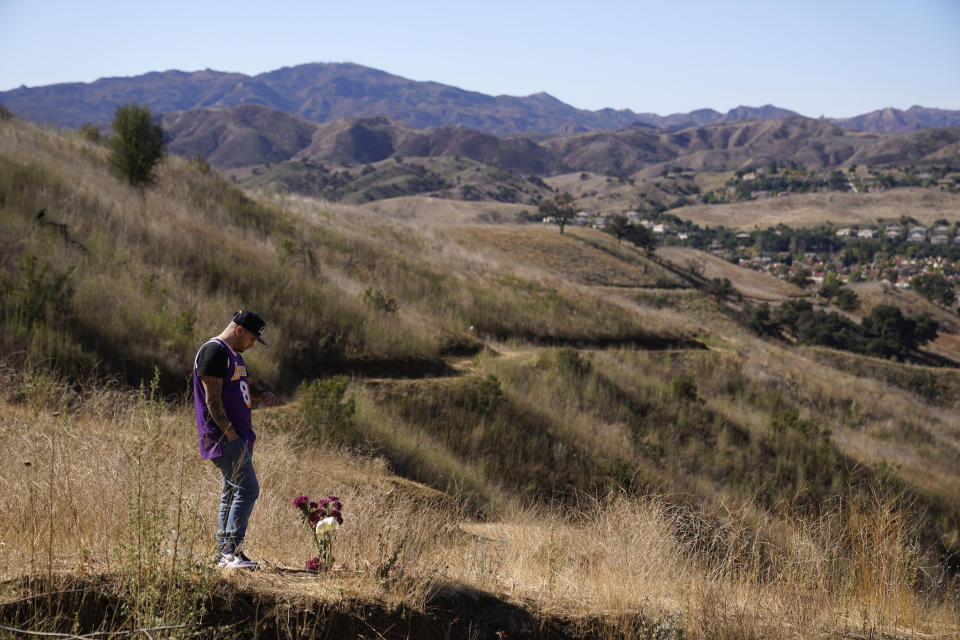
(661, 228)
(601, 222)
(845, 232)
(867, 233)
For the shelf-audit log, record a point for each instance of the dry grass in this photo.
(841, 209)
(423, 210)
(753, 284)
(694, 553)
(757, 574)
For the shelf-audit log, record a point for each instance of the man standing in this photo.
(222, 398)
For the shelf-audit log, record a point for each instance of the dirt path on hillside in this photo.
(458, 367)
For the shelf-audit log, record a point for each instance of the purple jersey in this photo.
(236, 402)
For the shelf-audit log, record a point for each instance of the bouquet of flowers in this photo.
(321, 518)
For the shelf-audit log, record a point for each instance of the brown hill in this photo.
(892, 120)
(374, 139)
(249, 136)
(719, 147)
(240, 136)
(355, 140)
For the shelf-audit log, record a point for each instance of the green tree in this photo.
(831, 286)
(618, 226)
(801, 278)
(936, 288)
(847, 300)
(641, 237)
(560, 209)
(837, 181)
(137, 144)
(895, 334)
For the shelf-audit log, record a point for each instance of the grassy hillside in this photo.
(540, 432)
(842, 209)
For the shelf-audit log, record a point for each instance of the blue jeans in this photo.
(238, 494)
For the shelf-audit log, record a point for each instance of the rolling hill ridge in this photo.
(325, 92)
(249, 135)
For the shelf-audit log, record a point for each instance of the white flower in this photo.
(325, 525)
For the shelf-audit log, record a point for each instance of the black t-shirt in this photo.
(213, 360)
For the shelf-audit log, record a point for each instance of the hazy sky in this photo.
(837, 58)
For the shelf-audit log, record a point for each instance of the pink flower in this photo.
(301, 502)
(315, 564)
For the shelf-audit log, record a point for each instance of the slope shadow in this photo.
(79, 605)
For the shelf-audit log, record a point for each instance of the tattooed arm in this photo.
(212, 386)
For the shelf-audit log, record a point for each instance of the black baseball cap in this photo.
(251, 322)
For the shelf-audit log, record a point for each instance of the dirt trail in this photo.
(457, 367)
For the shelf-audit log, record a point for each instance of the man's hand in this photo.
(264, 395)
(269, 398)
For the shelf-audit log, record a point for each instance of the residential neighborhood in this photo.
(891, 253)
(894, 252)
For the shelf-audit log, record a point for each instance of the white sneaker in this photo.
(236, 559)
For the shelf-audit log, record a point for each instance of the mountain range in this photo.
(249, 135)
(326, 92)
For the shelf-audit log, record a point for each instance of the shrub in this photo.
(847, 300)
(571, 362)
(379, 300)
(481, 395)
(91, 132)
(137, 144)
(326, 411)
(719, 288)
(41, 293)
(684, 388)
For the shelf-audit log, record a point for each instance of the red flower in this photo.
(301, 502)
(315, 564)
